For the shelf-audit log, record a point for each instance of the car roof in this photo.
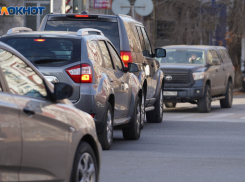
(204, 47)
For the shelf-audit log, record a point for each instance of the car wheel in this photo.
(106, 135)
(143, 115)
(156, 115)
(227, 101)
(204, 104)
(84, 166)
(133, 129)
(170, 104)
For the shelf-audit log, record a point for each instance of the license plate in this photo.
(169, 93)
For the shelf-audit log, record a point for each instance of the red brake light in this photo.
(39, 40)
(82, 16)
(126, 57)
(81, 73)
(92, 115)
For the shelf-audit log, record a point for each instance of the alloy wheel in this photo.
(86, 169)
(109, 127)
(143, 115)
(138, 118)
(161, 104)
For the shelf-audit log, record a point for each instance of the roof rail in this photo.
(87, 31)
(18, 30)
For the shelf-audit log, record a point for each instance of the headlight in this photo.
(198, 75)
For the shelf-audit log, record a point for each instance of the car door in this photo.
(10, 134)
(151, 80)
(45, 129)
(115, 79)
(124, 77)
(220, 73)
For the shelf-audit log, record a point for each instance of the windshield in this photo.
(50, 52)
(109, 29)
(183, 56)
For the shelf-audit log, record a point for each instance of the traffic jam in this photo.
(65, 88)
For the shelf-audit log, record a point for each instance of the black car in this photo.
(131, 41)
(199, 75)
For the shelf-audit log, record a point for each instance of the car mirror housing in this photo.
(132, 67)
(160, 53)
(62, 91)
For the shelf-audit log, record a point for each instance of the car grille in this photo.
(181, 78)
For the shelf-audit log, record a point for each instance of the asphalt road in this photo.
(186, 147)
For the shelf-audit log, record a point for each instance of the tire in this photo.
(156, 115)
(133, 129)
(227, 102)
(170, 104)
(143, 115)
(204, 104)
(106, 135)
(85, 164)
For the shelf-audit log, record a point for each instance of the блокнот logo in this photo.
(21, 10)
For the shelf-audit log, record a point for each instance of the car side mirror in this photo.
(160, 53)
(125, 69)
(132, 67)
(216, 61)
(62, 91)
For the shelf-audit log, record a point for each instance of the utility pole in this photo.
(51, 6)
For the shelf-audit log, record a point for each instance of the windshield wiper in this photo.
(45, 61)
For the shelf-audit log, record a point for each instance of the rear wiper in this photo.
(45, 61)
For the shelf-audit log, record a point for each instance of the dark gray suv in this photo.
(88, 61)
(131, 41)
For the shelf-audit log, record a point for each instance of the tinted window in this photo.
(147, 42)
(106, 55)
(21, 79)
(94, 52)
(224, 55)
(141, 38)
(47, 51)
(116, 58)
(109, 29)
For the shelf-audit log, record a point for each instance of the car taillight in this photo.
(81, 73)
(126, 57)
(86, 76)
(39, 40)
(81, 16)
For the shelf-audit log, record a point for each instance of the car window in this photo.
(21, 78)
(224, 55)
(106, 55)
(214, 53)
(116, 58)
(109, 29)
(142, 43)
(48, 51)
(147, 43)
(209, 58)
(94, 52)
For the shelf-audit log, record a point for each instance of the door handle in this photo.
(28, 111)
(111, 80)
(224, 69)
(217, 70)
(122, 82)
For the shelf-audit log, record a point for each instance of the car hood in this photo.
(192, 67)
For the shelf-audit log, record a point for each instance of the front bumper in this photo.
(184, 94)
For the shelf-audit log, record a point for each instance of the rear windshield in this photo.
(50, 52)
(109, 29)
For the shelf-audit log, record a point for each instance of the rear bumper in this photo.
(92, 102)
(184, 94)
